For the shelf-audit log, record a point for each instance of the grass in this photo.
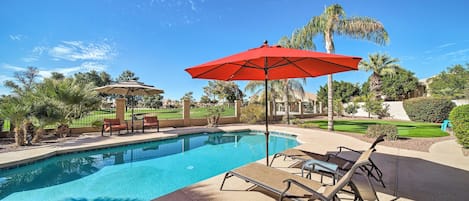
(405, 129)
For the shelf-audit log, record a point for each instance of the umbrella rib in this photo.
(220, 65)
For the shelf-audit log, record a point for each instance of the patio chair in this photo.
(151, 121)
(110, 125)
(292, 186)
(342, 163)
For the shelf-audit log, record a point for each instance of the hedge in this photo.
(428, 109)
(459, 118)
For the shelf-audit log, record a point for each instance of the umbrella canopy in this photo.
(273, 63)
(132, 88)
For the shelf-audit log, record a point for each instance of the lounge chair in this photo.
(151, 121)
(292, 186)
(110, 125)
(343, 163)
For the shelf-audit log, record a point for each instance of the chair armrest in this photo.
(350, 149)
(304, 187)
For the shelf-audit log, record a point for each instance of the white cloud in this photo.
(193, 8)
(77, 50)
(446, 45)
(15, 68)
(88, 66)
(4, 78)
(35, 54)
(458, 52)
(67, 71)
(17, 37)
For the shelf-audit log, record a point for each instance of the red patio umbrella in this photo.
(273, 63)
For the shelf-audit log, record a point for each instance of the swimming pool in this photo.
(137, 172)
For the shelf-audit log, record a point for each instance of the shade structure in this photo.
(273, 63)
(131, 88)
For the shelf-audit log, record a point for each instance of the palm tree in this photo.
(74, 99)
(380, 65)
(300, 39)
(333, 21)
(14, 109)
(277, 89)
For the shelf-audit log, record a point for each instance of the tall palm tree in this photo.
(333, 22)
(379, 64)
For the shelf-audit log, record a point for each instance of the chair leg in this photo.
(158, 128)
(227, 175)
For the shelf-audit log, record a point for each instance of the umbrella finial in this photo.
(266, 42)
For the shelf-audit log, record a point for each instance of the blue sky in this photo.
(158, 39)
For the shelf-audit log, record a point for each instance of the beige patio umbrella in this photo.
(131, 88)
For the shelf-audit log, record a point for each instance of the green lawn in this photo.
(405, 129)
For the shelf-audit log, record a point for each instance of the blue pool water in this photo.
(136, 172)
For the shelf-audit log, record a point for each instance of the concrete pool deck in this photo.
(441, 174)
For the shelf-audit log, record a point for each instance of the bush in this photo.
(428, 109)
(459, 118)
(297, 121)
(252, 113)
(390, 131)
(308, 125)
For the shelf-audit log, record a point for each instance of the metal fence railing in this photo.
(196, 111)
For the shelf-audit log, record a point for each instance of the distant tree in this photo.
(205, 99)
(333, 21)
(223, 90)
(126, 76)
(352, 108)
(97, 79)
(57, 76)
(372, 105)
(343, 91)
(155, 101)
(453, 83)
(379, 65)
(188, 96)
(400, 85)
(25, 79)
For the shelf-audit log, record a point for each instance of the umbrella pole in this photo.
(266, 125)
(132, 116)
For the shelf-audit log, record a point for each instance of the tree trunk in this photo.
(330, 94)
(375, 86)
(62, 130)
(39, 133)
(19, 136)
(286, 117)
(330, 109)
(28, 132)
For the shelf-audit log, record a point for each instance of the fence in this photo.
(197, 111)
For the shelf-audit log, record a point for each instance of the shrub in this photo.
(252, 113)
(309, 125)
(459, 118)
(428, 109)
(297, 121)
(390, 131)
